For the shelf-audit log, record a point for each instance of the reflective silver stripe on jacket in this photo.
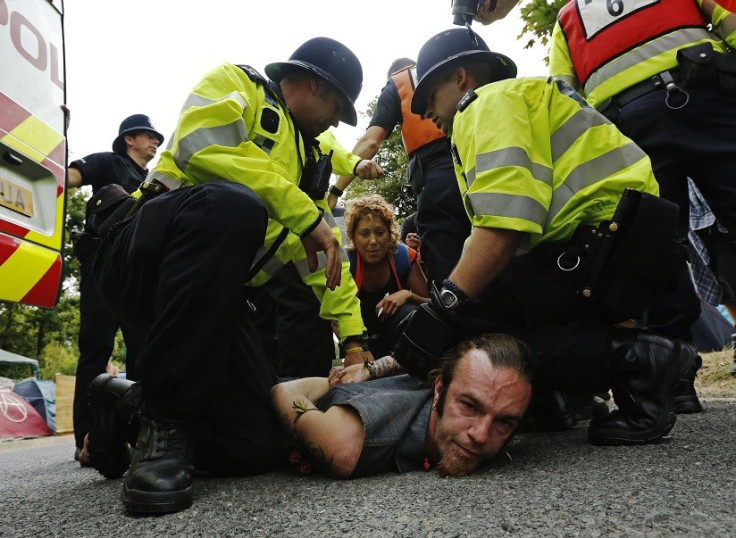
(303, 267)
(507, 205)
(513, 156)
(593, 171)
(231, 135)
(567, 134)
(170, 182)
(673, 40)
(582, 176)
(272, 266)
(330, 219)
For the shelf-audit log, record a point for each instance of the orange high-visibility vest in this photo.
(415, 130)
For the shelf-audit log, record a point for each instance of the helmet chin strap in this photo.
(471, 33)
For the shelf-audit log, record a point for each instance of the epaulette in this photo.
(254, 75)
(272, 95)
(468, 98)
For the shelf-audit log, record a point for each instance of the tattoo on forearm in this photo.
(318, 456)
(300, 407)
(383, 367)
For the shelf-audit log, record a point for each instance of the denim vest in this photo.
(395, 414)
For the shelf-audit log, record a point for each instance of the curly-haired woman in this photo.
(386, 271)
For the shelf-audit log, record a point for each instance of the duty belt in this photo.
(662, 81)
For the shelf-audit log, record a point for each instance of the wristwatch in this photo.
(451, 296)
(448, 299)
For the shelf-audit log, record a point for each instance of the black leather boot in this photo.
(113, 405)
(645, 368)
(686, 398)
(160, 477)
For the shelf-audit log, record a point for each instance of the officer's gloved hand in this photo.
(426, 333)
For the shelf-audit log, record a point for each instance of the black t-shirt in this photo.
(388, 108)
(100, 169)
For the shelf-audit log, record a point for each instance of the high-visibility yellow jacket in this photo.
(235, 127)
(602, 48)
(532, 156)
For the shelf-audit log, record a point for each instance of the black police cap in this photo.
(133, 124)
(447, 48)
(331, 61)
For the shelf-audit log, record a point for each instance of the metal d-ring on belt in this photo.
(574, 266)
(666, 80)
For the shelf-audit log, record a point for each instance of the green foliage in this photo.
(539, 18)
(76, 204)
(393, 186)
(57, 359)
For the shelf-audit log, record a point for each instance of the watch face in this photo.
(449, 299)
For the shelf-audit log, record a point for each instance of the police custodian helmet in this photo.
(444, 50)
(132, 125)
(331, 61)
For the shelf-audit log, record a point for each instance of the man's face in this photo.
(320, 109)
(144, 144)
(483, 406)
(442, 98)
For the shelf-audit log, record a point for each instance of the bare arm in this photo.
(74, 177)
(486, 253)
(418, 282)
(321, 239)
(357, 373)
(416, 294)
(334, 438)
(726, 25)
(486, 15)
(366, 147)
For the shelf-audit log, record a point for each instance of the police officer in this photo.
(247, 192)
(540, 171)
(440, 217)
(300, 342)
(132, 150)
(662, 77)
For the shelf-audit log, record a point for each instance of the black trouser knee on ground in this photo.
(180, 267)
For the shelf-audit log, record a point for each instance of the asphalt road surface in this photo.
(556, 485)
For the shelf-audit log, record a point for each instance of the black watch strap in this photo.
(460, 294)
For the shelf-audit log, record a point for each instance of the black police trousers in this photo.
(441, 220)
(178, 269)
(97, 328)
(300, 342)
(696, 141)
(536, 301)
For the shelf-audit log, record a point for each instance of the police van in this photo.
(33, 150)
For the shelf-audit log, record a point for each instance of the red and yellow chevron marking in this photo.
(30, 262)
(29, 274)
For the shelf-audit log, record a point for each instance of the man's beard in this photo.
(452, 464)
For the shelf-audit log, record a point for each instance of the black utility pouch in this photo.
(633, 257)
(726, 67)
(316, 175)
(109, 205)
(698, 65)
